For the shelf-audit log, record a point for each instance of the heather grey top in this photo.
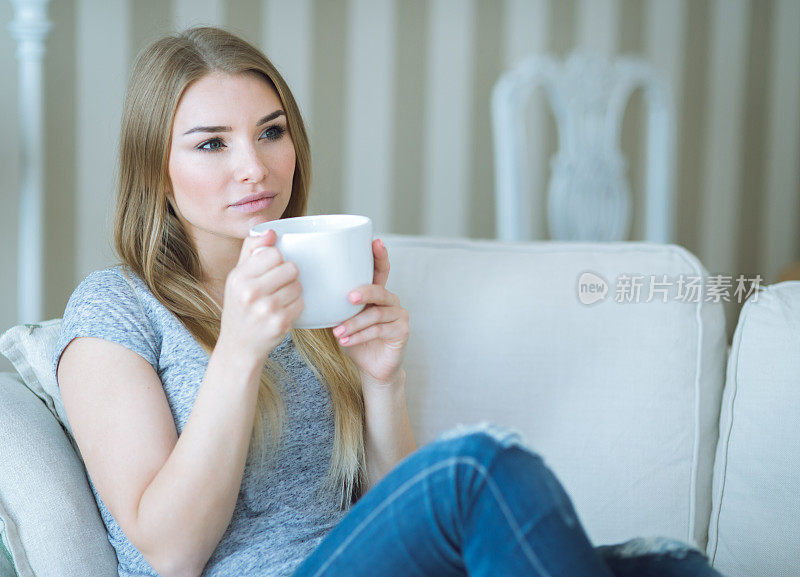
(283, 511)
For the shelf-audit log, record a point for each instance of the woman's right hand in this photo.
(262, 299)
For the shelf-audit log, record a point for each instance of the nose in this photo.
(249, 166)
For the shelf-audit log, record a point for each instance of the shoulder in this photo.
(110, 297)
(115, 280)
(107, 304)
(116, 288)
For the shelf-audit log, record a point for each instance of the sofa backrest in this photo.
(621, 398)
(754, 527)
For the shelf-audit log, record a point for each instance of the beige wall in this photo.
(734, 63)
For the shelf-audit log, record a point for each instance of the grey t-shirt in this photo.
(282, 511)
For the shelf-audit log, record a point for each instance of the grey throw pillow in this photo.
(30, 349)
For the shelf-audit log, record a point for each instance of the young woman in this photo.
(220, 441)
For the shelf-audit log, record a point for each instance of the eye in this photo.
(274, 132)
(214, 145)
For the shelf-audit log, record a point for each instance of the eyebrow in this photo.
(267, 118)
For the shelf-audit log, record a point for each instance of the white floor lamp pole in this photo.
(30, 28)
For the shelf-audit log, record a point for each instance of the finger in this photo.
(252, 243)
(373, 294)
(369, 316)
(386, 331)
(380, 273)
(261, 263)
(288, 293)
(282, 275)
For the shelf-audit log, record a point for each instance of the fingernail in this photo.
(380, 242)
(355, 297)
(338, 331)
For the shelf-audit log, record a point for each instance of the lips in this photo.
(260, 203)
(254, 197)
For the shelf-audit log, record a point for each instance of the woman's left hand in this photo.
(375, 338)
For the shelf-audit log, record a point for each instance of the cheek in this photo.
(188, 168)
(288, 160)
(194, 184)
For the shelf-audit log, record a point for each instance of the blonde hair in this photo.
(150, 239)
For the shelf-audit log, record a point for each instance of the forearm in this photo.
(388, 434)
(188, 505)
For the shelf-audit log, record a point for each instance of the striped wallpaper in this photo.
(396, 97)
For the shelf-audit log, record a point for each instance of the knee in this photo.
(482, 440)
(490, 450)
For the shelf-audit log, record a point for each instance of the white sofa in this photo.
(629, 402)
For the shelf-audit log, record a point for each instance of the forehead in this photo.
(220, 98)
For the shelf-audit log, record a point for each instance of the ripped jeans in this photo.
(477, 502)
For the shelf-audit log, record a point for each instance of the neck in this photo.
(218, 257)
(217, 292)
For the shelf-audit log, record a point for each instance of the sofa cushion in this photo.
(30, 349)
(621, 398)
(48, 514)
(756, 505)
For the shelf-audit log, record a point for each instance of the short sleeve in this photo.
(105, 305)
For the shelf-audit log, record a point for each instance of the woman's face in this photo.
(230, 140)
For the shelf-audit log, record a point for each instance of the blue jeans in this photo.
(477, 502)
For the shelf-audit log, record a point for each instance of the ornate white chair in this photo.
(588, 196)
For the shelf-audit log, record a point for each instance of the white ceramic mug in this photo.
(333, 254)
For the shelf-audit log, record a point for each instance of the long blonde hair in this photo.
(150, 239)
